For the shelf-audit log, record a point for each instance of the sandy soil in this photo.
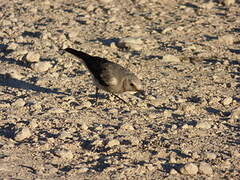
(186, 128)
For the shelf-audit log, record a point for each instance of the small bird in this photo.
(108, 75)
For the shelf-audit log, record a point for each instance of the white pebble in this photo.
(32, 57)
(33, 124)
(41, 66)
(127, 126)
(170, 58)
(226, 39)
(235, 114)
(22, 134)
(205, 168)
(13, 73)
(86, 104)
(228, 2)
(133, 43)
(189, 169)
(19, 103)
(227, 101)
(64, 153)
(113, 142)
(56, 110)
(210, 156)
(203, 125)
(84, 127)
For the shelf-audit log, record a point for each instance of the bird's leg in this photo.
(96, 94)
(122, 100)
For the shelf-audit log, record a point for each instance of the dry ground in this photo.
(186, 128)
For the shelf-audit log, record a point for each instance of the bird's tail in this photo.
(78, 54)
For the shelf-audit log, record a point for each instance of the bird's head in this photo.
(132, 83)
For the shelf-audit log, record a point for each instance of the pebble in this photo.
(203, 125)
(19, 103)
(186, 126)
(166, 30)
(227, 101)
(32, 57)
(127, 126)
(210, 155)
(152, 115)
(113, 142)
(105, 1)
(167, 113)
(84, 127)
(133, 43)
(63, 153)
(33, 124)
(13, 73)
(22, 134)
(235, 114)
(173, 172)
(205, 168)
(113, 110)
(226, 39)
(189, 169)
(170, 58)
(41, 66)
(64, 135)
(56, 110)
(228, 2)
(86, 104)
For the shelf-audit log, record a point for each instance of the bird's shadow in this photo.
(15, 83)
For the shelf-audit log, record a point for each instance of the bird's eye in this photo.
(131, 84)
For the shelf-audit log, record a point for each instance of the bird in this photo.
(109, 76)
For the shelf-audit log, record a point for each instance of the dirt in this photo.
(187, 54)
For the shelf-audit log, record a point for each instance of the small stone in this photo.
(19, 103)
(32, 57)
(64, 153)
(41, 66)
(113, 142)
(33, 124)
(127, 126)
(64, 135)
(226, 39)
(22, 134)
(56, 110)
(235, 114)
(13, 73)
(113, 110)
(227, 101)
(189, 169)
(203, 125)
(173, 172)
(12, 46)
(205, 168)
(186, 126)
(133, 43)
(84, 127)
(170, 58)
(210, 156)
(105, 1)
(208, 5)
(226, 164)
(166, 30)
(167, 113)
(152, 115)
(228, 2)
(86, 104)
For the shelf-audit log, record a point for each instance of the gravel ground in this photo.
(187, 54)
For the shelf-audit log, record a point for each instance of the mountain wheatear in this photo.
(108, 75)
